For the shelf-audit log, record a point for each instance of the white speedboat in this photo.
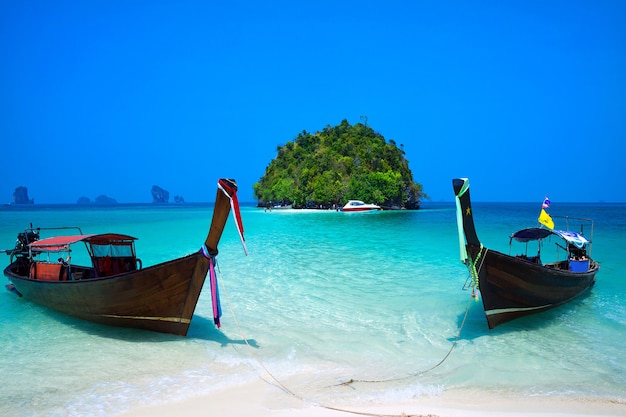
(357, 205)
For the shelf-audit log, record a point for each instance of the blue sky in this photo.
(526, 98)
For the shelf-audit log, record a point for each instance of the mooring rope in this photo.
(303, 399)
(473, 274)
(419, 373)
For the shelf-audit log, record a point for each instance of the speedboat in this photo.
(358, 205)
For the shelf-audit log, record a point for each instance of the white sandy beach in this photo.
(262, 399)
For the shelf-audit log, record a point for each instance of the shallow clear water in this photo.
(322, 298)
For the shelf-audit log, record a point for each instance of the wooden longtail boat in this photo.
(115, 289)
(516, 286)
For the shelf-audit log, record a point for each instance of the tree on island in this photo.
(338, 164)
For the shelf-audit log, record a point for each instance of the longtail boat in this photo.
(513, 286)
(115, 289)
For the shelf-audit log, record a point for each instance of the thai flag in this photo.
(546, 203)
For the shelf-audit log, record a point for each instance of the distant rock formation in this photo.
(20, 196)
(159, 195)
(103, 199)
(179, 199)
(83, 200)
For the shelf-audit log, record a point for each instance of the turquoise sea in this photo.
(322, 298)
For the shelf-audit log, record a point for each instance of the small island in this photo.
(100, 200)
(159, 195)
(105, 200)
(20, 196)
(345, 162)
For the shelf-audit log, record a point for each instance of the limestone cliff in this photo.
(20, 196)
(103, 199)
(159, 195)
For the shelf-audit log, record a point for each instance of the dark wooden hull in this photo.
(160, 298)
(511, 287)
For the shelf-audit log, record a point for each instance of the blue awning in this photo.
(532, 233)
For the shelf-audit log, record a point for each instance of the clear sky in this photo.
(526, 98)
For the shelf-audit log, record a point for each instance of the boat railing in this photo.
(583, 220)
(37, 229)
(32, 234)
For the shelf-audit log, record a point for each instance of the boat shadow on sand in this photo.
(475, 325)
(201, 329)
(204, 328)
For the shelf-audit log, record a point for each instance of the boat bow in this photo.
(469, 246)
(225, 200)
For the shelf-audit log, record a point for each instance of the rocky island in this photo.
(83, 200)
(103, 199)
(20, 196)
(100, 200)
(159, 195)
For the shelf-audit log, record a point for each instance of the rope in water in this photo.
(473, 273)
(419, 373)
(303, 399)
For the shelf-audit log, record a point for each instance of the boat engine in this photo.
(23, 239)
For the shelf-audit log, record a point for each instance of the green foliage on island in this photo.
(338, 164)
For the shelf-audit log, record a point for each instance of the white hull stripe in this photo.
(171, 319)
(515, 310)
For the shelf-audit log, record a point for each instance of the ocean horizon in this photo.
(324, 297)
(425, 204)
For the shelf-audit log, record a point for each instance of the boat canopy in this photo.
(538, 233)
(62, 243)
